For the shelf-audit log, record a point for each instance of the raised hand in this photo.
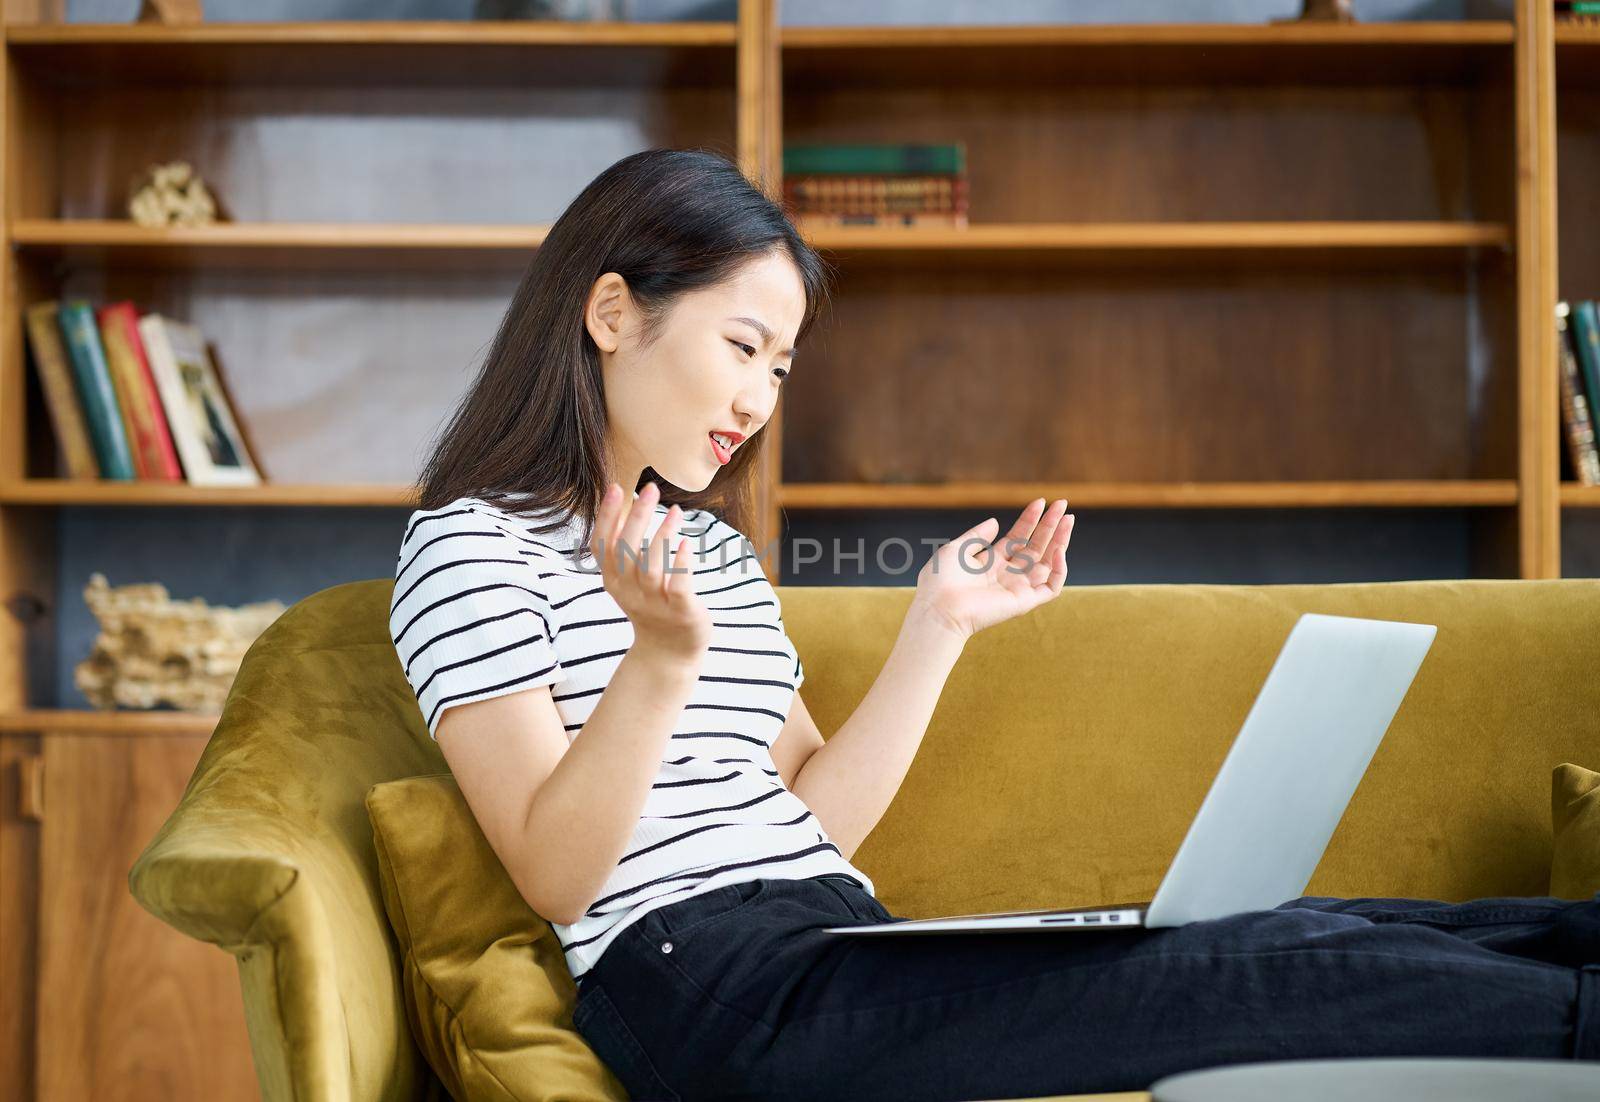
(971, 585)
(667, 614)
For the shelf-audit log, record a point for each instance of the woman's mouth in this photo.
(721, 446)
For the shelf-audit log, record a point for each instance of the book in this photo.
(866, 194)
(97, 391)
(54, 371)
(882, 158)
(1577, 411)
(153, 453)
(1584, 322)
(208, 438)
(947, 220)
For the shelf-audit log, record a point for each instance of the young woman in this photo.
(689, 847)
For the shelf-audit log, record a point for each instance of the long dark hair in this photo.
(531, 430)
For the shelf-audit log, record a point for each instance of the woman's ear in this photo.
(604, 309)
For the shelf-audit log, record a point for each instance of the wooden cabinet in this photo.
(122, 1006)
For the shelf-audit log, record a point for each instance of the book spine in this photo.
(904, 159)
(873, 194)
(127, 403)
(1585, 325)
(55, 379)
(99, 395)
(169, 385)
(939, 219)
(157, 460)
(1577, 413)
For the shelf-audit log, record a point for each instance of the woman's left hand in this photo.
(970, 585)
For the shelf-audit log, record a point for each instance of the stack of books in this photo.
(1578, 11)
(876, 185)
(1578, 356)
(134, 397)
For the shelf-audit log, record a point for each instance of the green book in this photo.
(98, 396)
(888, 159)
(1585, 324)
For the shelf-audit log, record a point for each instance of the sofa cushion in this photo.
(1575, 818)
(487, 990)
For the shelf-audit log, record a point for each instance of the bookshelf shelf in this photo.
(1113, 495)
(64, 491)
(1576, 496)
(801, 495)
(1227, 53)
(279, 245)
(363, 54)
(1155, 242)
(470, 247)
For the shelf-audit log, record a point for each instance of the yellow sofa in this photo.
(1067, 756)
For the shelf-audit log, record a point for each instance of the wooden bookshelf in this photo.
(1272, 178)
(322, 113)
(1288, 267)
(1577, 233)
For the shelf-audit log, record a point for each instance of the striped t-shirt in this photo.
(484, 606)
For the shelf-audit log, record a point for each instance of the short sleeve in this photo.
(788, 644)
(468, 617)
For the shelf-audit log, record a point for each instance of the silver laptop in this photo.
(1281, 791)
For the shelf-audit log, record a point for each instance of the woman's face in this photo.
(707, 371)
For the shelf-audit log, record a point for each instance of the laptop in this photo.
(1281, 790)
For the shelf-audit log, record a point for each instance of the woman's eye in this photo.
(748, 351)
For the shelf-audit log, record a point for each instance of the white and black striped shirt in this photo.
(483, 606)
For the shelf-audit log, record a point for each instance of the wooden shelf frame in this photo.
(1226, 53)
(467, 247)
(376, 54)
(763, 59)
(796, 495)
(1156, 495)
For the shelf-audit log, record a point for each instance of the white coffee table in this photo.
(1385, 1079)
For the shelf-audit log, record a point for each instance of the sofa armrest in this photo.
(222, 882)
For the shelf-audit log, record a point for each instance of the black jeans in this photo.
(737, 993)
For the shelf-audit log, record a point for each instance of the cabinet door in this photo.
(127, 1007)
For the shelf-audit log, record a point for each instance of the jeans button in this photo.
(666, 946)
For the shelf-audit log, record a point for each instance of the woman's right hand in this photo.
(667, 614)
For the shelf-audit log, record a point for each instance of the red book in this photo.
(154, 456)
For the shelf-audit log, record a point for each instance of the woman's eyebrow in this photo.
(767, 335)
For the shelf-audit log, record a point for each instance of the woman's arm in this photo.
(970, 583)
(560, 816)
(849, 782)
